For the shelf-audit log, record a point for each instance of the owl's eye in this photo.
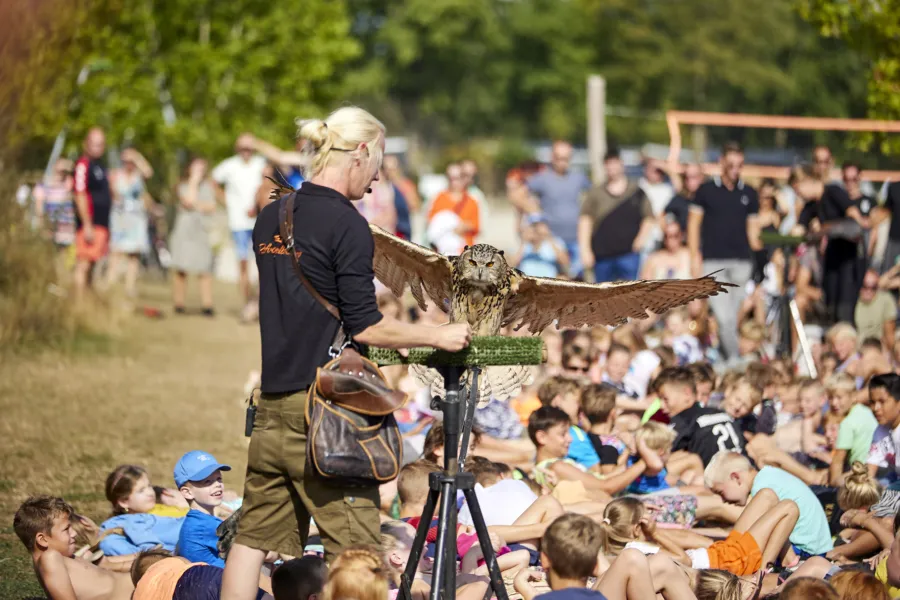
(490, 264)
(473, 263)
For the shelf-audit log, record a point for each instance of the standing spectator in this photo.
(93, 201)
(53, 204)
(559, 191)
(406, 185)
(678, 207)
(876, 312)
(890, 210)
(769, 220)
(823, 163)
(191, 249)
(616, 220)
(722, 231)
(129, 225)
(830, 214)
(457, 201)
(241, 175)
(851, 174)
(660, 193)
(470, 173)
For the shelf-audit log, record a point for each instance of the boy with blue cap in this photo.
(198, 476)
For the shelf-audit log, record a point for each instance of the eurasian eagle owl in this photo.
(478, 287)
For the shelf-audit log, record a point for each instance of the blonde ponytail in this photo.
(340, 132)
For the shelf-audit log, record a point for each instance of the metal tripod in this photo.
(444, 484)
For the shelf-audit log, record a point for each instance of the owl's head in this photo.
(482, 265)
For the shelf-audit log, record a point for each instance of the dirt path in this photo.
(163, 387)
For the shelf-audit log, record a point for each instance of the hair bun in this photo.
(315, 131)
(859, 471)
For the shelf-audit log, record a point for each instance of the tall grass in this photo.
(35, 310)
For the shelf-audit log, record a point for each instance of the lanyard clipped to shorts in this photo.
(250, 416)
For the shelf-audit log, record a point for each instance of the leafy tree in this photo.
(871, 27)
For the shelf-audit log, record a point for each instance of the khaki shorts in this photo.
(280, 494)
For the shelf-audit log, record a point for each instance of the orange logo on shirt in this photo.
(276, 246)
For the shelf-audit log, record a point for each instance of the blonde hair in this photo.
(841, 330)
(572, 543)
(713, 584)
(341, 131)
(723, 464)
(358, 573)
(812, 384)
(756, 392)
(840, 382)
(619, 518)
(753, 331)
(859, 490)
(656, 435)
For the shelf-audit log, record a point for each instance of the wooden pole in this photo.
(596, 117)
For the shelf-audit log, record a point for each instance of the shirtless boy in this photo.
(43, 525)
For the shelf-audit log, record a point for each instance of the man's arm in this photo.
(276, 155)
(81, 200)
(837, 467)
(695, 220)
(54, 576)
(585, 229)
(520, 197)
(753, 231)
(887, 336)
(643, 233)
(391, 333)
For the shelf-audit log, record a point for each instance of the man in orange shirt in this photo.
(458, 201)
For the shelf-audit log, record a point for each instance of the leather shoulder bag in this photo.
(352, 436)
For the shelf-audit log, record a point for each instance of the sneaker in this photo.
(179, 310)
(208, 312)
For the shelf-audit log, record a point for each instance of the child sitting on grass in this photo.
(43, 524)
(198, 476)
(300, 579)
(856, 496)
(684, 468)
(598, 403)
(730, 475)
(741, 402)
(857, 426)
(564, 394)
(572, 552)
(550, 430)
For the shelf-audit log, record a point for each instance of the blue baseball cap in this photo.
(196, 465)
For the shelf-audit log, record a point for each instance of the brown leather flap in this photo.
(357, 384)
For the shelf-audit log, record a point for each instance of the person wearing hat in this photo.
(198, 476)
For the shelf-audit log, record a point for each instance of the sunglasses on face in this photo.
(580, 369)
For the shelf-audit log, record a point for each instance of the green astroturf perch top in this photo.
(483, 351)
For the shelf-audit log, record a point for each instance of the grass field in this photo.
(152, 391)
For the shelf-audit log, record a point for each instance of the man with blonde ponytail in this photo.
(335, 249)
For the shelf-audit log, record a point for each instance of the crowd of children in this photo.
(622, 473)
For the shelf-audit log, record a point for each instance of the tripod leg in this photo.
(483, 538)
(445, 556)
(469, 416)
(415, 553)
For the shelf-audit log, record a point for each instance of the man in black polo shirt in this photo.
(701, 431)
(722, 231)
(843, 266)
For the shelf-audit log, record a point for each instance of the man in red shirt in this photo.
(93, 201)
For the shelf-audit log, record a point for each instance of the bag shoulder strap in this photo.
(286, 225)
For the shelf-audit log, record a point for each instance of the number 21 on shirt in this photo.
(726, 437)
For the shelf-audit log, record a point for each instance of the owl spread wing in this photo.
(399, 263)
(537, 301)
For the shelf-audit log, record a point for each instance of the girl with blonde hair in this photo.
(359, 573)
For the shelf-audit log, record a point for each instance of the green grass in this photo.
(143, 394)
